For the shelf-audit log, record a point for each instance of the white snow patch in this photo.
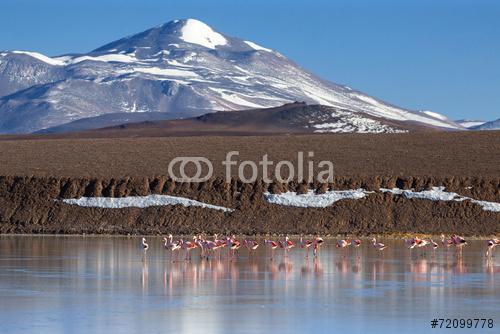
(139, 202)
(39, 56)
(112, 57)
(235, 98)
(468, 124)
(435, 194)
(349, 122)
(438, 194)
(197, 32)
(257, 46)
(166, 72)
(383, 110)
(435, 115)
(314, 200)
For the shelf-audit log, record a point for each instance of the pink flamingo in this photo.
(459, 243)
(491, 246)
(210, 245)
(378, 246)
(305, 244)
(411, 243)
(171, 245)
(232, 244)
(198, 240)
(272, 245)
(317, 242)
(445, 242)
(188, 246)
(422, 243)
(343, 243)
(357, 243)
(251, 245)
(286, 244)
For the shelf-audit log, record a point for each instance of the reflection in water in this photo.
(90, 284)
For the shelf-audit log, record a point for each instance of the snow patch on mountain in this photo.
(493, 125)
(379, 109)
(120, 58)
(347, 122)
(197, 32)
(257, 46)
(167, 72)
(435, 115)
(467, 123)
(41, 57)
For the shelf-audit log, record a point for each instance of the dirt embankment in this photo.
(33, 205)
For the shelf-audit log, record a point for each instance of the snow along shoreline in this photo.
(310, 199)
(314, 200)
(139, 202)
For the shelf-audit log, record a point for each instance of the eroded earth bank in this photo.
(37, 175)
(35, 205)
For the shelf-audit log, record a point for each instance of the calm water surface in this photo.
(53, 284)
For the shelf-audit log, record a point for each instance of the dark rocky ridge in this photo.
(32, 205)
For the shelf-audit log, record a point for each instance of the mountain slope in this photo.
(469, 123)
(183, 64)
(493, 125)
(292, 118)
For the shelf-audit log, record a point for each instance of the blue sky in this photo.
(440, 55)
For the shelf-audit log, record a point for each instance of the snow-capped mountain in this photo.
(469, 123)
(180, 65)
(493, 125)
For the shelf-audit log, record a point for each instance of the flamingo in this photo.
(198, 240)
(411, 243)
(445, 242)
(317, 242)
(272, 245)
(286, 244)
(232, 244)
(188, 246)
(434, 244)
(422, 243)
(459, 242)
(491, 246)
(343, 243)
(144, 245)
(305, 244)
(170, 244)
(357, 243)
(379, 246)
(210, 246)
(251, 245)
(219, 242)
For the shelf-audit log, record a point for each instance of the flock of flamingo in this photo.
(214, 247)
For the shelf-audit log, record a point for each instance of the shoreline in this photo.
(436, 237)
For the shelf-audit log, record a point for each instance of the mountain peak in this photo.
(196, 32)
(179, 65)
